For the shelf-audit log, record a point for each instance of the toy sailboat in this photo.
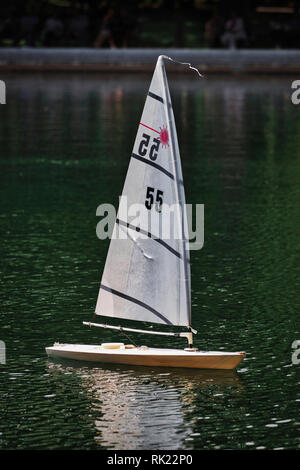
(147, 276)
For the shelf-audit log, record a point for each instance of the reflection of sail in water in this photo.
(145, 408)
(136, 413)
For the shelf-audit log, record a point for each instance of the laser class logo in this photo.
(2, 92)
(164, 136)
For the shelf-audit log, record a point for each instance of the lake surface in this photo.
(65, 143)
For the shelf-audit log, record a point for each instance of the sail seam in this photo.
(149, 235)
(155, 165)
(136, 301)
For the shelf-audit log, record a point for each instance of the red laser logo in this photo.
(164, 136)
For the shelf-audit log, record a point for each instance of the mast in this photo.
(179, 188)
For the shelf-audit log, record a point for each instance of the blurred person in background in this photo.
(29, 24)
(78, 27)
(128, 28)
(8, 27)
(106, 33)
(235, 34)
(52, 30)
(214, 28)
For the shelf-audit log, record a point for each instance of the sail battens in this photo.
(151, 163)
(136, 301)
(168, 247)
(149, 235)
(132, 227)
(156, 97)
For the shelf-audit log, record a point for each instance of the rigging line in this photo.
(128, 337)
(184, 63)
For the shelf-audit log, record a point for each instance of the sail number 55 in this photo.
(154, 195)
(144, 144)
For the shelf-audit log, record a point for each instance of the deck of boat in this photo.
(148, 356)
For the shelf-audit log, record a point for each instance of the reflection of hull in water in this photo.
(128, 402)
(148, 356)
(180, 376)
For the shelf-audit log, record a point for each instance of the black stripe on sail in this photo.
(149, 235)
(136, 301)
(156, 97)
(155, 165)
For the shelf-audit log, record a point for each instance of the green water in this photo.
(65, 143)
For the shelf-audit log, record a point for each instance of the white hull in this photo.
(145, 356)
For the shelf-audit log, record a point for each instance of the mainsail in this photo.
(147, 273)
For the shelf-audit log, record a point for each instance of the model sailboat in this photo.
(147, 275)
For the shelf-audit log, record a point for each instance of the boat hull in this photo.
(149, 356)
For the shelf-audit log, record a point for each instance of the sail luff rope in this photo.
(177, 188)
(176, 174)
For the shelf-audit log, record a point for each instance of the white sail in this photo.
(147, 274)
